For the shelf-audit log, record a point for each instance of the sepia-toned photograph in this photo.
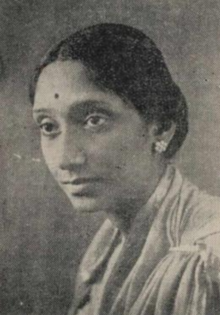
(110, 157)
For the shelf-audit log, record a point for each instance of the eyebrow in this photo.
(41, 110)
(84, 107)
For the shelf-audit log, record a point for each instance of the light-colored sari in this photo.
(167, 265)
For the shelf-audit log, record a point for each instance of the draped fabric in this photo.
(166, 265)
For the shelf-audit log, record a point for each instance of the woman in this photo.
(111, 119)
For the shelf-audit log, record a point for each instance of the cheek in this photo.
(50, 156)
(108, 151)
(121, 154)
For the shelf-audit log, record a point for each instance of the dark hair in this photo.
(124, 60)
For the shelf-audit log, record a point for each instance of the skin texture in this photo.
(98, 148)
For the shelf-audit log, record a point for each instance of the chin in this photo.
(85, 204)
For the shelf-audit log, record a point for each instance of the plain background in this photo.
(41, 238)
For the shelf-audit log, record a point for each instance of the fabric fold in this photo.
(165, 266)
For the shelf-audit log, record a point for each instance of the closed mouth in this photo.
(82, 187)
(81, 181)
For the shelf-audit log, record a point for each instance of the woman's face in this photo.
(97, 147)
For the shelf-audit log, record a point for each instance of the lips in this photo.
(81, 181)
(81, 187)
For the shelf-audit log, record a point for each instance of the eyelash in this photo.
(54, 127)
(101, 118)
(50, 132)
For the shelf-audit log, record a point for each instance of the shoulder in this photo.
(201, 216)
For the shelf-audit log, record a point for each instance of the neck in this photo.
(125, 213)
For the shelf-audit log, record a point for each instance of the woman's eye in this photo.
(95, 121)
(49, 128)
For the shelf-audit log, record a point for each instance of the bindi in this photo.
(56, 95)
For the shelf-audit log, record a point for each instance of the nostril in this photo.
(72, 162)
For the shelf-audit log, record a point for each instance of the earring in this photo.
(160, 146)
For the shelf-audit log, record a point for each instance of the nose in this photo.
(72, 154)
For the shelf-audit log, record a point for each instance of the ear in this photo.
(165, 134)
(161, 136)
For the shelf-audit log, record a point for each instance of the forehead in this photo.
(61, 78)
(65, 83)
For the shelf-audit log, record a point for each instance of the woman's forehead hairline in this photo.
(89, 73)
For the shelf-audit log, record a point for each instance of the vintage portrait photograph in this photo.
(110, 157)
